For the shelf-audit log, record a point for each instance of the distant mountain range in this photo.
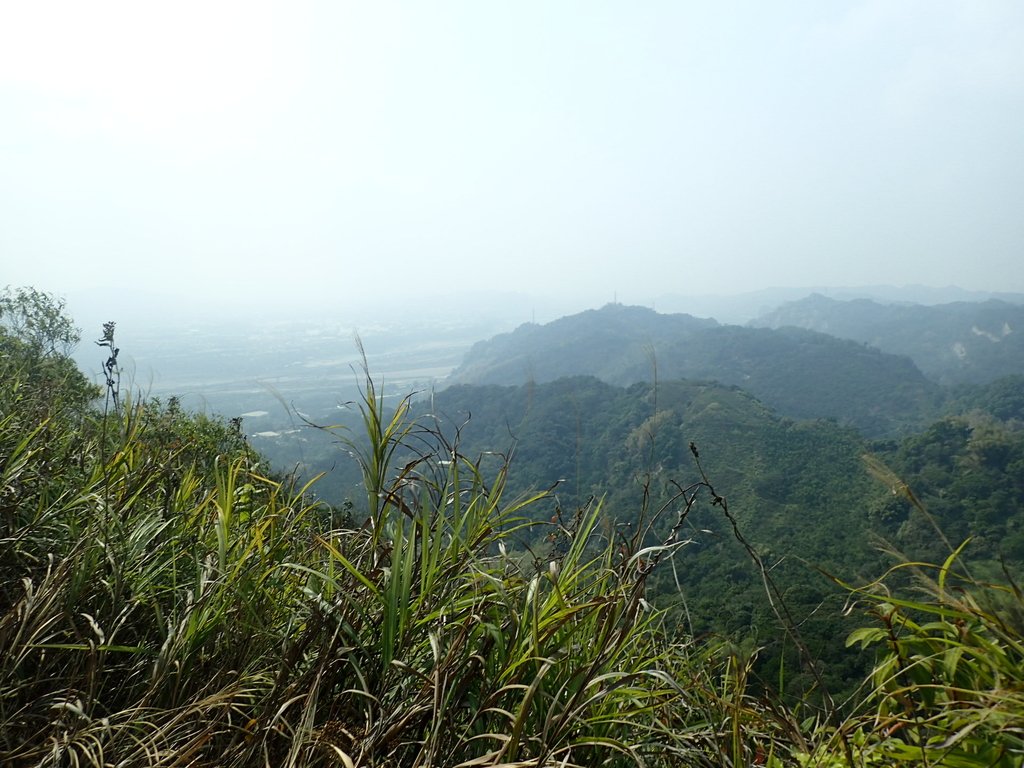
(961, 342)
(800, 373)
(741, 308)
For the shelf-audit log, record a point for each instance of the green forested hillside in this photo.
(802, 374)
(1002, 399)
(962, 342)
(167, 600)
(801, 491)
(585, 438)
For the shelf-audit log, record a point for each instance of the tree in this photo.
(36, 339)
(38, 319)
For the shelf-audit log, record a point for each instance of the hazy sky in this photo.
(238, 149)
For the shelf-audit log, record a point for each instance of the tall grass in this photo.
(166, 602)
(947, 688)
(138, 613)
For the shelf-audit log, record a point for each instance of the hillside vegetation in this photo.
(803, 492)
(165, 600)
(878, 393)
(957, 343)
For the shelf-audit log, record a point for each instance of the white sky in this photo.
(238, 150)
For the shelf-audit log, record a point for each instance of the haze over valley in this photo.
(282, 367)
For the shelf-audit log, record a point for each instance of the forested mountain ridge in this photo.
(566, 347)
(801, 491)
(800, 373)
(960, 342)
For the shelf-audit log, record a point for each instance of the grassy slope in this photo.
(165, 602)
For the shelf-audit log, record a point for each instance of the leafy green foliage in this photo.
(801, 491)
(1002, 399)
(35, 341)
(969, 474)
(948, 684)
(789, 482)
(38, 321)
